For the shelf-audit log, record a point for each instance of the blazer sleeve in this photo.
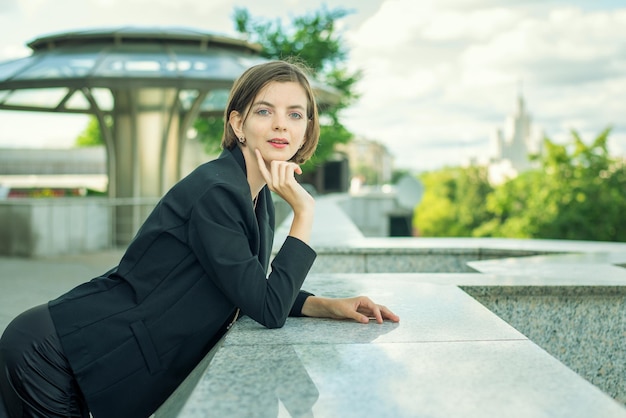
(224, 236)
(296, 309)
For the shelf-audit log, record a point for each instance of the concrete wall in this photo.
(26, 161)
(45, 227)
(370, 212)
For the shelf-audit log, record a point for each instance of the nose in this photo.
(279, 123)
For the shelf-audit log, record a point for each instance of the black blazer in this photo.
(133, 335)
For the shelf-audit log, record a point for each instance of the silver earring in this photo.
(242, 140)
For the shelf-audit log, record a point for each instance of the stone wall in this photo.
(582, 326)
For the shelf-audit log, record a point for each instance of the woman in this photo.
(118, 345)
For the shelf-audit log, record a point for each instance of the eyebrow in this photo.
(264, 103)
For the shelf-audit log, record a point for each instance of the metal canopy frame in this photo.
(151, 82)
(125, 58)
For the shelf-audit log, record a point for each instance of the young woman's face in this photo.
(276, 121)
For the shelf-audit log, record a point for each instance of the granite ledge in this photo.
(495, 290)
(449, 356)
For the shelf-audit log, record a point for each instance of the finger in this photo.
(377, 314)
(273, 169)
(262, 167)
(366, 304)
(283, 170)
(276, 174)
(387, 314)
(287, 172)
(358, 317)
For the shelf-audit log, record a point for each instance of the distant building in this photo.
(514, 145)
(28, 172)
(370, 162)
(69, 169)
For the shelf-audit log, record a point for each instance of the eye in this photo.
(262, 112)
(296, 115)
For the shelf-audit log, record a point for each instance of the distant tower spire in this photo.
(520, 96)
(514, 143)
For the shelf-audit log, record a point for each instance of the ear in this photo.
(236, 123)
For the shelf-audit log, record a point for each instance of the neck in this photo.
(255, 186)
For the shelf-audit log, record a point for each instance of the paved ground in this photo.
(26, 282)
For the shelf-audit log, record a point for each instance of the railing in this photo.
(55, 226)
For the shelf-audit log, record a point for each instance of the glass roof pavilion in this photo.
(151, 83)
(62, 66)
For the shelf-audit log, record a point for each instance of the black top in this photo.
(133, 334)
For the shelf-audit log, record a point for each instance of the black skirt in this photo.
(35, 377)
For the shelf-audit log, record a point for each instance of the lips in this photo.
(279, 141)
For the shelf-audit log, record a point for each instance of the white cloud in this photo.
(566, 36)
(453, 74)
(9, 52)
(474, 26)
(7, 6)
(439, 76)
(30, 7)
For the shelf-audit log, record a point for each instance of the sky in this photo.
(439, 77)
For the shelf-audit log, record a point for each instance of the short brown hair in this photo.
(252, 81)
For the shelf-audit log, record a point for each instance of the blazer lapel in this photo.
(264, 208)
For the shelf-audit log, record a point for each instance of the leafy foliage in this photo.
(577, 194)
(453, 202)
(312, 39)
(209, 131)
(91, 135)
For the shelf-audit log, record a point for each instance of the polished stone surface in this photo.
(429, 312)
(584, 265)
(582, 326)
(449, 356)
(465, 379)
(572, 305)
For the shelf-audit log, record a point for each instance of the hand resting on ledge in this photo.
(359, 308)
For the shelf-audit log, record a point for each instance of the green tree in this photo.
(453, 204)
(577, 194)
(313, 39)
(397, 174)
(91, 136)
(509, 207)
